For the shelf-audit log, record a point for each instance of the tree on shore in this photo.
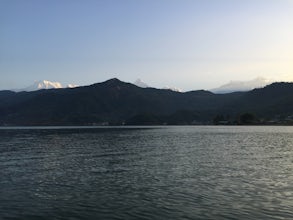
(248, 118)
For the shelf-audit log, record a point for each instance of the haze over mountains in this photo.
(116, 102)
(242, 86)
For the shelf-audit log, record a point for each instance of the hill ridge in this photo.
(117, 102)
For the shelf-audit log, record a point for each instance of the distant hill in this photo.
(117, 102)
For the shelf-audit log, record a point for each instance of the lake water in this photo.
(202, 172)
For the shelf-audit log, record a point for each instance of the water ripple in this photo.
(153, 173)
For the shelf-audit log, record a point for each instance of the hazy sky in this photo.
(191, 44)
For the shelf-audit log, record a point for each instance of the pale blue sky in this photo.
(190, 44)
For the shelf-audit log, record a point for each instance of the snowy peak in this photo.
(45, 84)
(242, 86)
(175, 89)
(140, 83)
(71, 86)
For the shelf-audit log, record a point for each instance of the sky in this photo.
(189, 44)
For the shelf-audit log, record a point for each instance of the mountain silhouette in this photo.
(116, 102)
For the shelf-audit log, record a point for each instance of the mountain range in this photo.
(232, 86)
(116, 102)
(45, 84)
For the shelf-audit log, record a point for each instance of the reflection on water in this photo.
(147, 173)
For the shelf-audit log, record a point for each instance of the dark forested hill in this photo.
(117, 102)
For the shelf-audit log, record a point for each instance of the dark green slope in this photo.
(117, 102)
(275, 99)
(111, 101)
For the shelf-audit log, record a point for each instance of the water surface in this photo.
(146, 173)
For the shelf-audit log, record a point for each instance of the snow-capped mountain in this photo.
(242, 86)
(45, 84)
(140, 83)
(175, 89)
(72, 86)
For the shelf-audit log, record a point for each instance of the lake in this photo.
(176, 172)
